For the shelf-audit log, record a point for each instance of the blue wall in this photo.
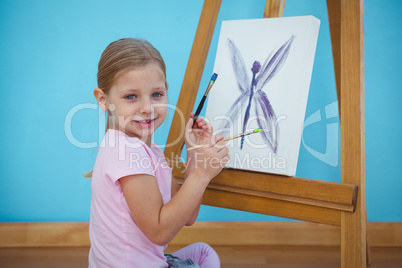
(49, 54)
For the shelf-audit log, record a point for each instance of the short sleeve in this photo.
(127, 159)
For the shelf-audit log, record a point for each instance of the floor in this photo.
(233, 257)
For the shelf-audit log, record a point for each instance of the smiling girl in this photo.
(136, 207)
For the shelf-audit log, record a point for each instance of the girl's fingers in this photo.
(223, 149)
(189, 123)
(201, 123)
(209, 127)
(191, 119)
(218, 138)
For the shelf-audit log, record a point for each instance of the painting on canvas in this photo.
(264, 68)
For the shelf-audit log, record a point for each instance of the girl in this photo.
(136, 207)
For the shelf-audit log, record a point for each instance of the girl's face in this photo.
(137, 102)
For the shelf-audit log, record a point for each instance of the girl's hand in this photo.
(209, 160)
(199, 134)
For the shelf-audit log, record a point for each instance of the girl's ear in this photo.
(100, 97)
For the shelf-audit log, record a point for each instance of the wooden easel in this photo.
(340, 204)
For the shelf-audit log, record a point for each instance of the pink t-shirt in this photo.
(116, 240)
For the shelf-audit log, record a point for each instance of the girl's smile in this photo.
(145, 122)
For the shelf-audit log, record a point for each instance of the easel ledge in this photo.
(318, 201)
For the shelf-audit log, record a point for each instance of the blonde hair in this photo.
(121, 56)
(124, 55)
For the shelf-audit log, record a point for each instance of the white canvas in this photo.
(284, 48)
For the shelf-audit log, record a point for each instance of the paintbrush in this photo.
(211, 83)
(229, 138)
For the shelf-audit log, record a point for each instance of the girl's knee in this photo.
(206, 249)
(204, 246)
(209, 257)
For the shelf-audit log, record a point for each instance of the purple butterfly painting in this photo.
(252, 94)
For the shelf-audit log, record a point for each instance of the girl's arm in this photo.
(176, 188)
(193, 218)
(161, 223)
(200, 133)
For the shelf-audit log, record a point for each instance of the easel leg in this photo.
(353, 225)
(353, 240)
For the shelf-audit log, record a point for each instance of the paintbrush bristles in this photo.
(242, 135)
(211, 83)
(214, 76)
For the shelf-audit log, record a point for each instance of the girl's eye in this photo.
(130, 97)
(157, 95)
